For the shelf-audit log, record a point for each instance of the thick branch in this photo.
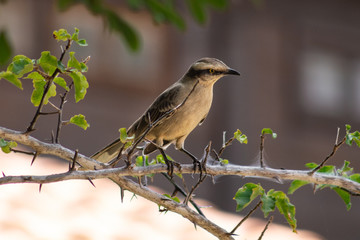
(215, 170)
(124, 183)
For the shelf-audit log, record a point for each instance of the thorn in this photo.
(33, 160)
(73, 163)
(3, 174)
(91, 182)
(40, 186)
(122, 194)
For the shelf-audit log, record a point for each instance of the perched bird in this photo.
(192, 96)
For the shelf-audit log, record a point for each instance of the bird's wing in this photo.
(168, 100)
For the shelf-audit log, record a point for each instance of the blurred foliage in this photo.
(162, 11)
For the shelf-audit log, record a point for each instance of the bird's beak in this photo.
(231, 71)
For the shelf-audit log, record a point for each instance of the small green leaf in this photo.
(345, 196)
(75, 36)
(20, 65)
(61, 35)
(5, 48)
(246, 194)
(124, 29)
(345, 169)
(80, 121)
(39, 87)
(285, 207)
(197, 9)
(123, 135)
(82, 42)
(11, 78)
(80, 83)
(176, 199)
(48, 62)
(311, 165)
(74, 63)
(242, 138)
(355, 177)
(224, 161)
(296, 184)
(61, 82)
(268, 204)
(327, 169)
(268, 131)
(6, 146)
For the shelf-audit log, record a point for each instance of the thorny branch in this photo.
(120, 176)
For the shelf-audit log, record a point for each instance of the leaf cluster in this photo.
(270, 201)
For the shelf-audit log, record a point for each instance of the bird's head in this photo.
(209, 70)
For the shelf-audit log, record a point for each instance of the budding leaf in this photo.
(242, 138)
(61, 35)
(268, 131)
(80, 121)
(6, 146)
(176, 199)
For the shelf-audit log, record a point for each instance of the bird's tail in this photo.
(109, 152)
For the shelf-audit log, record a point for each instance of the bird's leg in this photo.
(196, 162)
(169, 163)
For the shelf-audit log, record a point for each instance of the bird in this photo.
(189, 99)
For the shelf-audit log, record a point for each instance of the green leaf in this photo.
(224, 161)
(48, 62)
(124, 29)
(345, 169)
(39, 87)
(268, 131)
(135, 4)
(242, 138)
(197, 9)
(165, 11)
(5, 48)
(219, 4)
(6, 146)
(75, 36)
(311, 165)
(355, 177)
(123, 135)
(285, 207)
(268, 204)
(74, 63)
(296, 184)
(61, 35)
(345, 196)
(176, 199)
(327, 169)
(82, 42)
(61, 82)
(246, 194)
(20, 65)
(79, 120)
(80, 83)
(11, 78)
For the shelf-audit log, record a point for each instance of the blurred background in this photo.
(300, 75)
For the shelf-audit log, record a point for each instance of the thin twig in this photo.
(266, 227)
(262, 141)
(335, 148)
(246, 217)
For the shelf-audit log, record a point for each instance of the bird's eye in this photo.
(211, 71)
